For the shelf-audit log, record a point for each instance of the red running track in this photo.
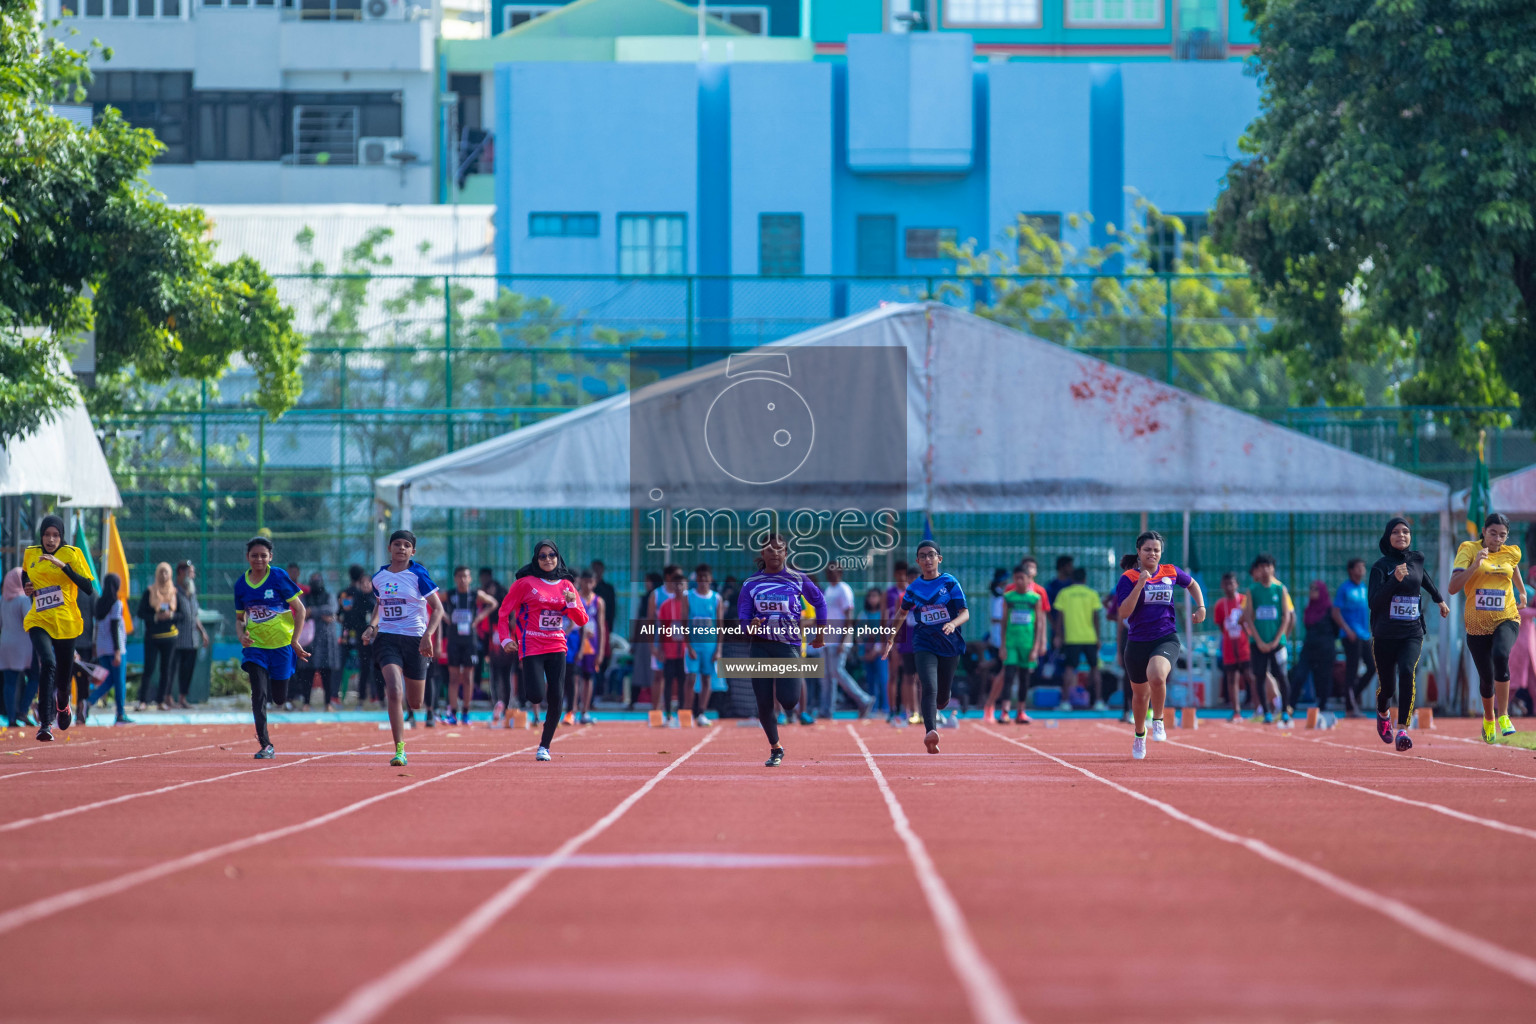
(1024, 874)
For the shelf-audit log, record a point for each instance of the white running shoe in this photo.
(542, 754)
(1138, 748)
(1159, 732)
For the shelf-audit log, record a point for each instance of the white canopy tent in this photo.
(1513, 494)
(1108, 439)
(62, 458)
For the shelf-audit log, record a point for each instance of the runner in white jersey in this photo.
(839, 597)
(403, 631)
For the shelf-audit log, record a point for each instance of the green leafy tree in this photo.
(1385, 208)
(86, 244)
(1203, 305)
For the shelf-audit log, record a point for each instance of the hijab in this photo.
(163, 590)
(110, 585)
(13, 585)
(57, 524)
(318, 595)
(560, 572)
(1385, 544)
(1319, 606)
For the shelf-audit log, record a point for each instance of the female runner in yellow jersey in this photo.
(1487, 570)
(53, 575)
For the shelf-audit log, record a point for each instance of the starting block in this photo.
(1170, 718)
(519, 719)
(685, 718)
(1189, 718)
(1424, 718)
(657, 720)
(1312, 717)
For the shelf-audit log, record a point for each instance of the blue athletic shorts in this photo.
(278, 661)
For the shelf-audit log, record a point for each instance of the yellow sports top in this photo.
(1490, 590)
(54, 605)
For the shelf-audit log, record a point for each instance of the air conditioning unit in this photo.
(383, 10)
(375, 151)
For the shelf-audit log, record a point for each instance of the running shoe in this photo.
(542, 754)
(931, 741)
(914, 719)
(497, 711)
(266, 753)
(67, 718)
(1506, 727)
(431, 719)
(464, 718)
(865, 707)
(1403, 740)
(1099, 705)
(44, 734)
(570, 718)
(1285, 720)
(1138, 747)
(806, 719)
(1022, 719)
(1237, 716)
(1384, 728)
(287, 706)
(1269, 717)
(1159, 731)
(702, 721)
(450, 719)
(1490, 732)
(122, 720)
(775, 758)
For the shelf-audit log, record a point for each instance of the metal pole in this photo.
(261, 472)
(202, 514)
(1168, 332)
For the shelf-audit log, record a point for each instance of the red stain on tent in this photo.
(1134, 401)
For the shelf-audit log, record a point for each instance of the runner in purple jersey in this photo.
(1144, 599)
(769, 608)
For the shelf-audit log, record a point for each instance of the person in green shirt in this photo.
(1268, 619)
(1078, 607)
(1023, 643)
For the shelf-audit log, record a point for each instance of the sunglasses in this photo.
(549, 555)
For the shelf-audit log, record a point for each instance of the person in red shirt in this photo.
(672, 620)
(1235, 673)
(533, 618)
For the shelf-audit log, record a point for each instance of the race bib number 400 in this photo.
(551, 618)
(48, 597)
(933, 615)
(1157, 595)
(1490, 600)
(1404, 609)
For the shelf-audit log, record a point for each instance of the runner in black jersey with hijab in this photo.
(1397, 625)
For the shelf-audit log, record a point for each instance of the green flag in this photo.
(85, 546)
(1479, 500)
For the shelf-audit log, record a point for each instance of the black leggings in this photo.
(1490, 654)
(56, 663)
(1399, 660)
(767, 689)
(501, 681)
(1317, 662)
(186, 664)
(545, 674)
(1016, 679)
(1265, 663)
(935, 675)
(158, 653)
(261, 692)
(1356, 653)
(329, 682)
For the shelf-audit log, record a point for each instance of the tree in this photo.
(1386, 206)
(1203, 307)
(85, 243)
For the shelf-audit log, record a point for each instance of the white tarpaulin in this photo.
(997, 421)
(1513, 494)
(62, 458)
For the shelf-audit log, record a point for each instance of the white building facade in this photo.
(271, 101)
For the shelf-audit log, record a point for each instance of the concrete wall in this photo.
(1038, 131)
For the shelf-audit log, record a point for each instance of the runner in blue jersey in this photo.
(268, 616)
(769, 609)
(704, 611)
(938, 609)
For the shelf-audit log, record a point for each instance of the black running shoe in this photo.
(266, 753)
(66, 717)
(1403, 741)
(775, 758)
(45, 735)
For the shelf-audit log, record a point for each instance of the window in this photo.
(1168, 245)
(1016, 13)
(323, 127)
(239, 126)
(1141, 13)
(563, 225)
(1201, 32)
(1048, 224)
(652, 243)
(877, 244)
(244, 3)
(157, 100)
(514, 15)
(928, 243)
(749, 19)
(312, 10)
(780, 244)
(467, 89)
(120, 8)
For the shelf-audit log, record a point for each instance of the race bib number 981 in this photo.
(771, 605)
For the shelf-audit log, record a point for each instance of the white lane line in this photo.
(990, 1001)
(12, 919)
(372, 999)
(1506, 961)
(1387, 751)
(1449, 812)
(115, 760)
(1481, 743)
(21, 823)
